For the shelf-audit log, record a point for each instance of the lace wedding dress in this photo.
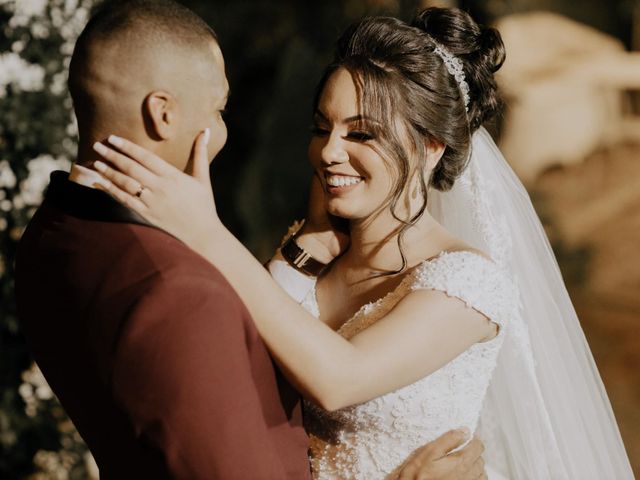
(371, 440)
(533, 393)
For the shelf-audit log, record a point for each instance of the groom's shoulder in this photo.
(172, 292)
(162, 251)
(170, 261)
(160, 282)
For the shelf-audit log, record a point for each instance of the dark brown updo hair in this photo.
(399, 77)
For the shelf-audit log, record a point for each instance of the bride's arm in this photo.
(423, 332)
(397, 350)
(333, 372)
(321, 235)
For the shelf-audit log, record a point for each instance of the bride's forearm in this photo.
(423, 332)
(314, 358)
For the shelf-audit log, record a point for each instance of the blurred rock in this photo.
(564, 83)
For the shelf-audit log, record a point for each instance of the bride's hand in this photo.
(180, 204)
(323, 235)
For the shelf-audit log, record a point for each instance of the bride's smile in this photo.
(337, 182)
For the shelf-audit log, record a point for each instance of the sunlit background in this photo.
(570, 129)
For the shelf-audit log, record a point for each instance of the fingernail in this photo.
(207, 136)
(100, 166)
(465, 431)
(115, 140)
(100, 148)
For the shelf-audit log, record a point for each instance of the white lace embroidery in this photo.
(371, 440)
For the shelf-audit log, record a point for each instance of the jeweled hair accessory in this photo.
(456, 69)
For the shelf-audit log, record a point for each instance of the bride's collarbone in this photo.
(340, 297)
(342, 290)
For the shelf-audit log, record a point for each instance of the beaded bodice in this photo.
(371, 440)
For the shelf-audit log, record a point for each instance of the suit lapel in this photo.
(88, 203)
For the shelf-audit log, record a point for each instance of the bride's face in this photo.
(356, 178)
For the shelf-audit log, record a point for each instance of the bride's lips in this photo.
(338, 183)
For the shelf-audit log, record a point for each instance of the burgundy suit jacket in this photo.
(149, 349)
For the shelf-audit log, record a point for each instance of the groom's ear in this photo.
(160, 111)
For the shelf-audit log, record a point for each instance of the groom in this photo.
(149, 349)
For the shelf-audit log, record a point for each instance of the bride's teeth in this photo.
(341, 181)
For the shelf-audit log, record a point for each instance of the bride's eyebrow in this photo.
(355, 118)
(360, 118)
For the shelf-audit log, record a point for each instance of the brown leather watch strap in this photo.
(299, 259)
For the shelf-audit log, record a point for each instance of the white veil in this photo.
(546, 414)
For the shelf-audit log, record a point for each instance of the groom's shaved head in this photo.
(132, 48)
(153, 26)
(147, 21)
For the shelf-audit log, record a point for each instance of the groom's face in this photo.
(202, 100)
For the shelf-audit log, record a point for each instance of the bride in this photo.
(440, 305)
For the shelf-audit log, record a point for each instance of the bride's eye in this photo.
(361, 136)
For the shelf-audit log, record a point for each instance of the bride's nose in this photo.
(333, 151)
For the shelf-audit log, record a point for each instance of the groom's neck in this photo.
(86, 154)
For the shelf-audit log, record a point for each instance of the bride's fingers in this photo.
(141, 155)
(120, 180)
(200, 157)
(128, 200)
(469, 455)
(127, 166)
(476, 471)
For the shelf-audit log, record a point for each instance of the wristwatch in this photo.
(299, 259)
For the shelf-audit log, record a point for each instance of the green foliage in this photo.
(37, 135)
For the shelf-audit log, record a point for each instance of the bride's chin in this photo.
(347, 212)
(341, 210)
